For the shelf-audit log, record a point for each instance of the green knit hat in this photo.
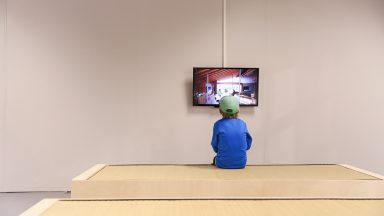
(229, 105)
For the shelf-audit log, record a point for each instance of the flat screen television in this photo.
(211, 84)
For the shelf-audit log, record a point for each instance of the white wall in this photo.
(325, 90)
(90, 82)
(2, 91)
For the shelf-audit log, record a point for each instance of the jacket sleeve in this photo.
(215, 138)
(249, 139)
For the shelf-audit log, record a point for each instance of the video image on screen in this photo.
(211, 84)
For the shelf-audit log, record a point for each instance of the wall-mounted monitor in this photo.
(211, 84)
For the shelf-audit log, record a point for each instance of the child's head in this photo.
(229, 106)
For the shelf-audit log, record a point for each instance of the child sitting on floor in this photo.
(230, 139)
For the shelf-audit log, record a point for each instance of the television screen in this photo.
(211, 84)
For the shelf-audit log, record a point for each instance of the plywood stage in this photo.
(208, 207)
(209, 182)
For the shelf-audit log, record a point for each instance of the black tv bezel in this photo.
(216, 105)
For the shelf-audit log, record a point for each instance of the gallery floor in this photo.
(328, 189)
(12, 204)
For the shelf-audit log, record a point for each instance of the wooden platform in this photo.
(205, 181)
(207, 207)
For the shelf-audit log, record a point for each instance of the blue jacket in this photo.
(231, 141)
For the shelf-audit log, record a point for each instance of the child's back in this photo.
(230, 139)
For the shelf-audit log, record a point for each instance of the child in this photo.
(230, 138)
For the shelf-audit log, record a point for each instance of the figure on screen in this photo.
(230, 139)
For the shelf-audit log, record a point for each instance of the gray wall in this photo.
(86, 82)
